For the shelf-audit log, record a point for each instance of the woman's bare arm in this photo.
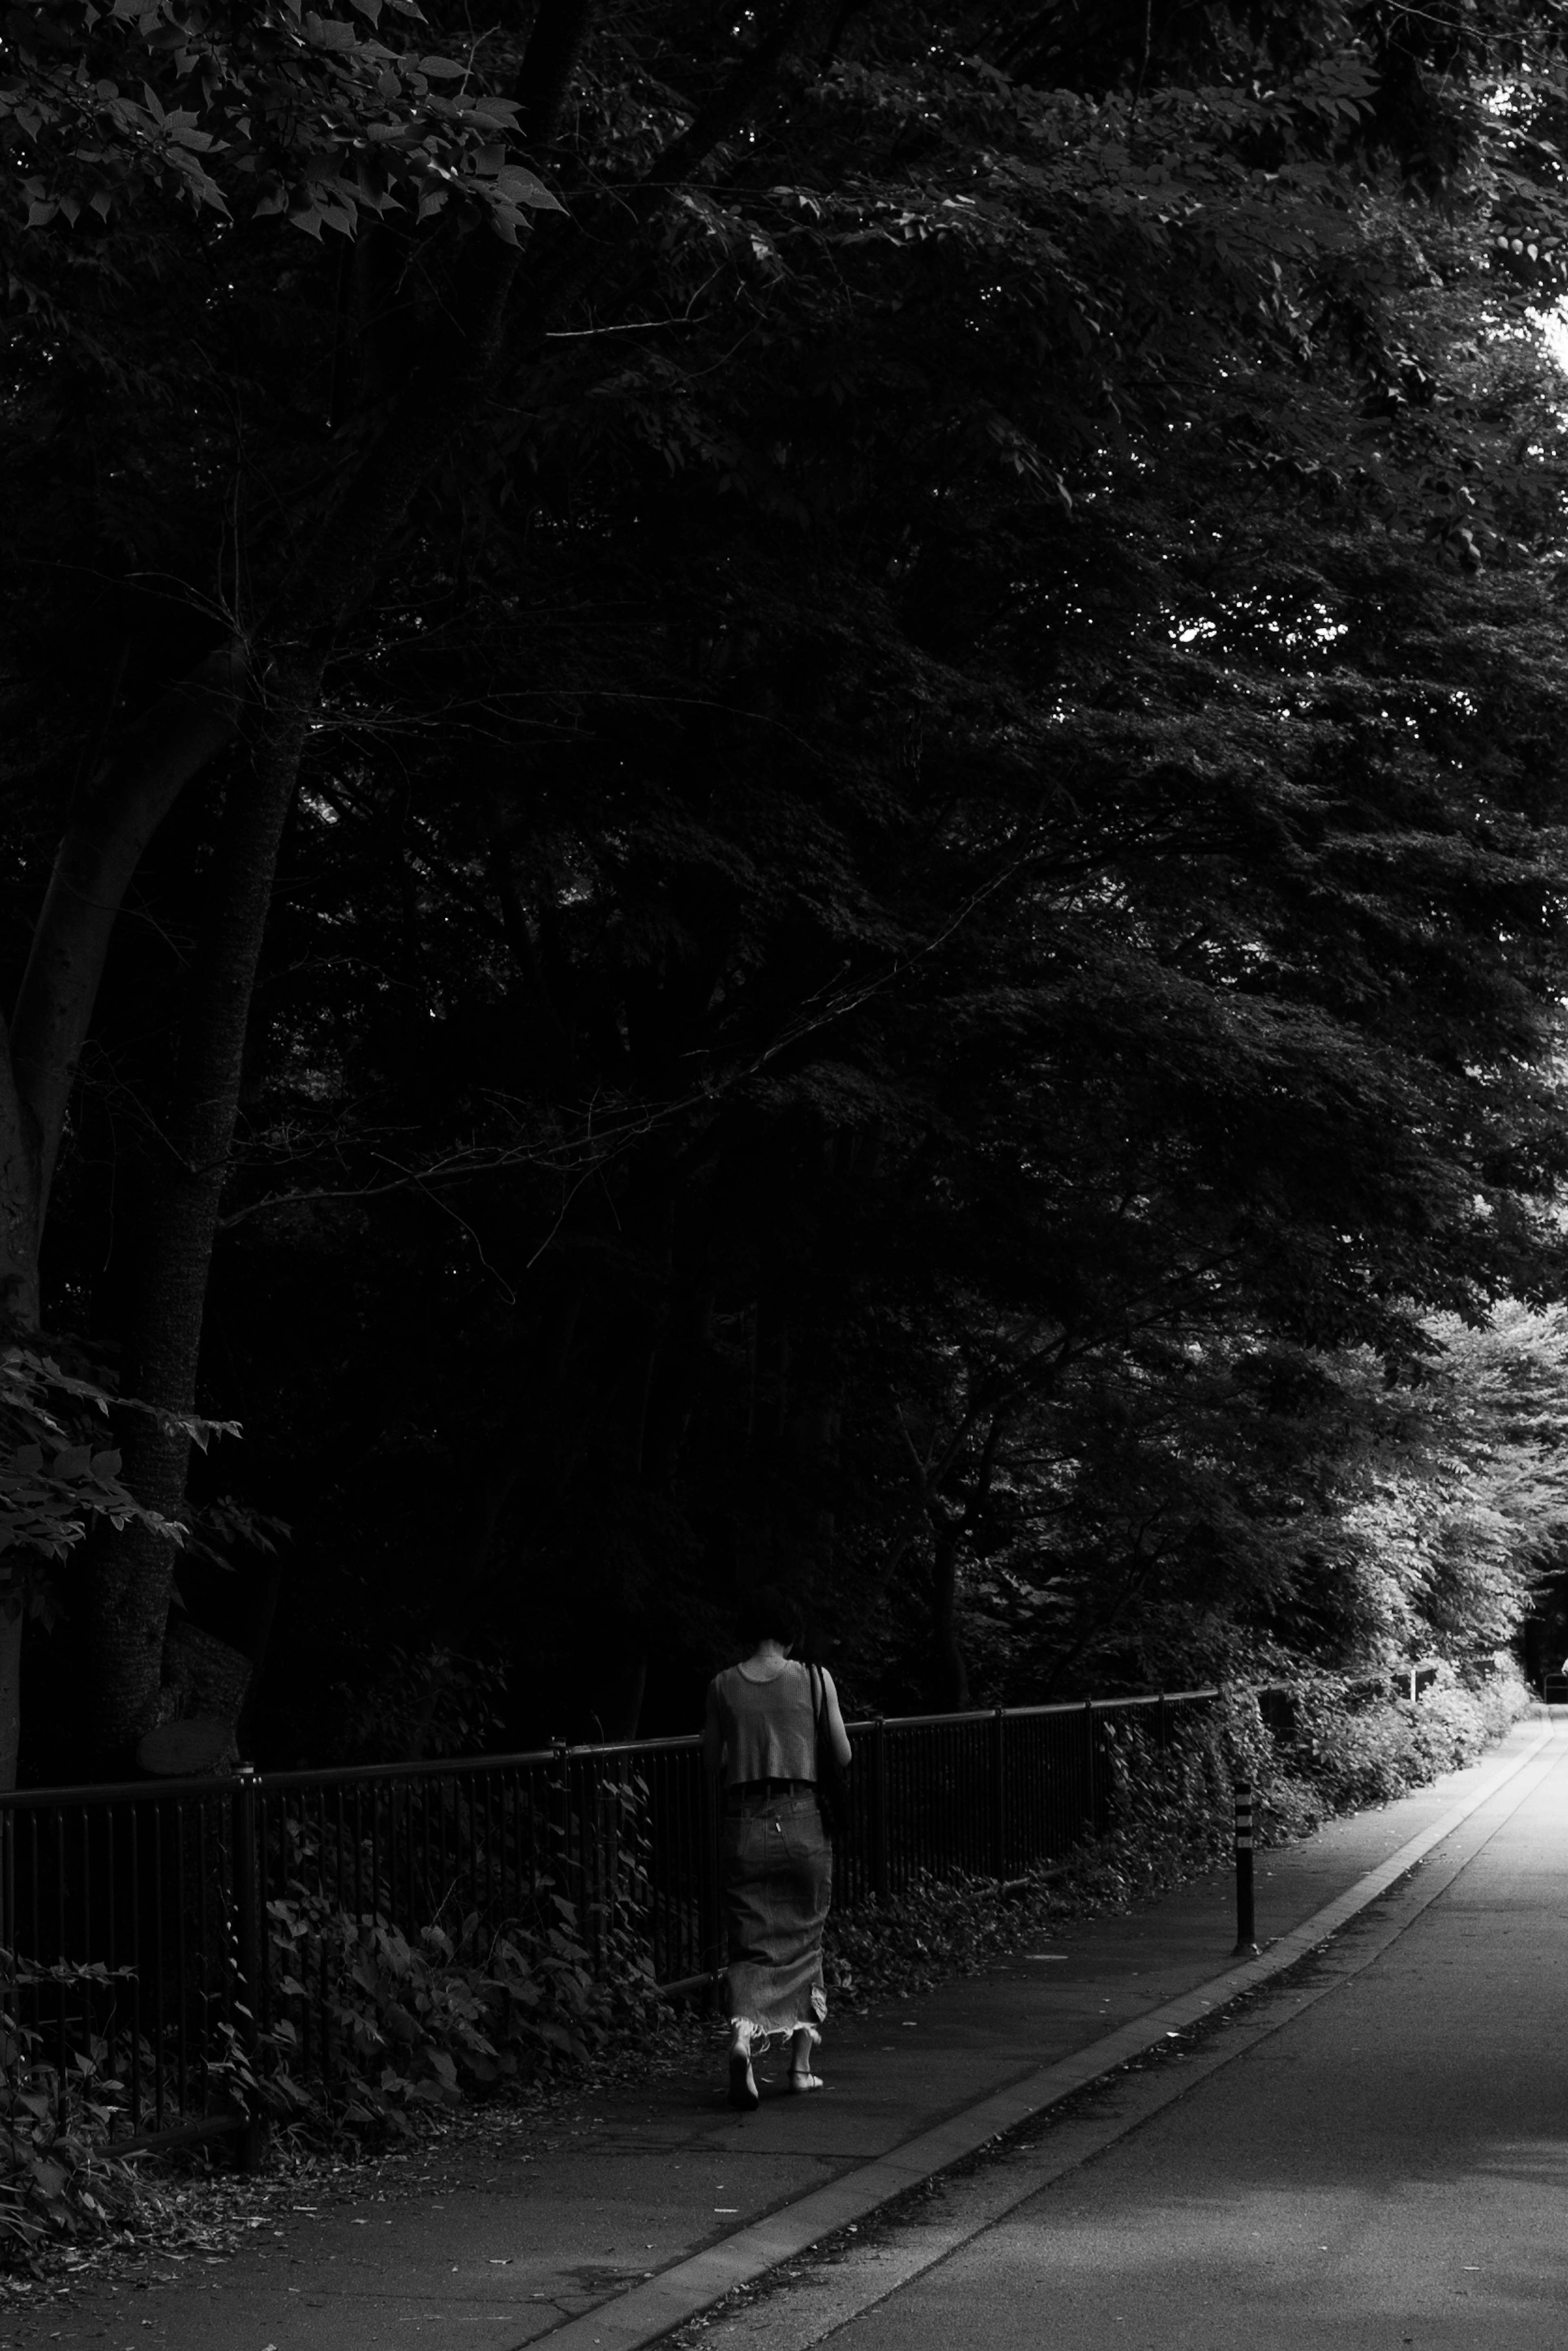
(835, 1720)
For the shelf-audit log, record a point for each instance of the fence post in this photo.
(247, 1925)
(563, 1857)
(1091, 1768)
(998, 1794)
(708, 1893)
(566, 1860)
(1246, 1922)
(879, 1854)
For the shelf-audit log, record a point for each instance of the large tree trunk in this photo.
(19, 1192)
(126, 802)
(125, 1596)
(127, 799)
(10, 1694)
(124, 1600)
(18, 1320)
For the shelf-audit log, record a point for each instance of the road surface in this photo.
(1378, 2158)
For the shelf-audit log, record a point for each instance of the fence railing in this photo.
(161, 1936)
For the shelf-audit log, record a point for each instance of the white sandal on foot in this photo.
(802, 2077)
(744, 2093)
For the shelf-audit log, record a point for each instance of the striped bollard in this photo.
(1245, 1921)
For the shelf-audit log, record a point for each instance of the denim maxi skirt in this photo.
(776, 1875)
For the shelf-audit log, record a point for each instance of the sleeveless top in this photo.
(769, 1732)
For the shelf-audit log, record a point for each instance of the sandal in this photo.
(744, 2093)
(802, 2077)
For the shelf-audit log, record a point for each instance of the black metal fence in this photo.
(159, 1942)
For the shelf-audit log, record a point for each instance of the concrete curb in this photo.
(641, 2316)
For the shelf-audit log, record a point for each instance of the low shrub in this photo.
(468, 2006)
(57, 2179)
(1356, 1749)
(939, 1927)
(422, 2023)
(1344, 1750)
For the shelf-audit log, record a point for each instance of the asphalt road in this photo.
(1388, 2167)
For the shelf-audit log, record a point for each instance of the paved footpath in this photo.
(1371, 2152)
(608, 2227)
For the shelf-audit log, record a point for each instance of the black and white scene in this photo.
(784, 1176)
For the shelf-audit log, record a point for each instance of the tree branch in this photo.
(568, 268)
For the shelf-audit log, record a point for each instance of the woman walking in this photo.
(765, 1720)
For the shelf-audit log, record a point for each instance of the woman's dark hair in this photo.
(767, 1614)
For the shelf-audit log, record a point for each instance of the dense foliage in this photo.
(921, 937)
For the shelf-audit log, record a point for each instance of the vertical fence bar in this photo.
(248, 1925)
(264, 1973)
(998, 1776)
(62, 2042)
(557, 1823)
(198, 1898)
(15, 1881)
(880, 1882)
(181, 1984)
(35, 1921)
(149, 1943)
(10, 1959)
(708, 1798)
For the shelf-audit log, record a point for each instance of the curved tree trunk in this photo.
(126, 1590)
(20, 1192)
(11, 1628)
(102, 846)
